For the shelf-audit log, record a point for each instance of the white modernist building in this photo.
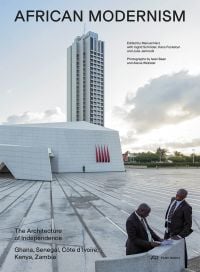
(34, 151)
(85, 79)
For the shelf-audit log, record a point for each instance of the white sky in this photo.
(33, 67)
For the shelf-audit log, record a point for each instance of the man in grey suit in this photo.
(178, 218)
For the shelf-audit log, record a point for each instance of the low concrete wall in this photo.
(135, 166)
(160, 259)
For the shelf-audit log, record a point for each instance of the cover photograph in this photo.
(99, 136)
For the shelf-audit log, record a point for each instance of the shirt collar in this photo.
(179, 201)
(139, 217)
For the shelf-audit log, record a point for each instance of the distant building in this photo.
(125, 156)
(128, 156)
(85, 80)
(35, 151)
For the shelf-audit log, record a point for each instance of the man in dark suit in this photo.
(141, 237)
(178, 218)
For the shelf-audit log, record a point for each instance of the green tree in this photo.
(145, 157)
(178, 154)
(162, 152)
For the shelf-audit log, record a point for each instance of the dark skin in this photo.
(144, 213)
(180, 195)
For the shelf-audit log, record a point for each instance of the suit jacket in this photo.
(137, 241)
(181, 221)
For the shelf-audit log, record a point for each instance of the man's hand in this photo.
(155, 244)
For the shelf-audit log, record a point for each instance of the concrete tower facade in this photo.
(85, 79)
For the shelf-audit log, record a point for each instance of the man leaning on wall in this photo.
(141, 237)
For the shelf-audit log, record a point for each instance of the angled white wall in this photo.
(31, 163)
(73, 145)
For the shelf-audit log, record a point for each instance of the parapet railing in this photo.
(160, 259)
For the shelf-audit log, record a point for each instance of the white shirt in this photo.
(146, 227)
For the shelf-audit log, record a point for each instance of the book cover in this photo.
(99, 113)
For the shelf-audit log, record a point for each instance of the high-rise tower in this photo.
(85, 79)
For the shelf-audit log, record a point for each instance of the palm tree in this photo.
(162, 153)
(178, 154)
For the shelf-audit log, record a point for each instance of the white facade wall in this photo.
(74, 82)
(69, 83)
(72, 147)
(80, 51)
(25, 162)
(85, 80)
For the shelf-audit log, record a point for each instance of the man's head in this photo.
(143, 210)
(181, 194)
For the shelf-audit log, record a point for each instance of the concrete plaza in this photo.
(91, 210)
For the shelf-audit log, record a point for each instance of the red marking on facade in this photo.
(105, 154)
(102, 153)
(100, 157)
(108, 154)
(97, 155)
